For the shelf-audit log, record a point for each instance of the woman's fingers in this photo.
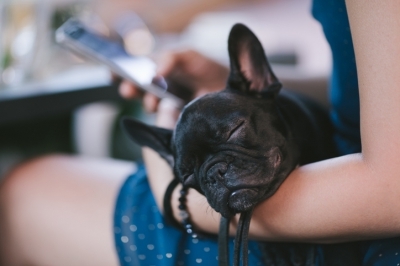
(167, 114)
(167, 63)
(150, 102)
(129, 91)
(188, 67)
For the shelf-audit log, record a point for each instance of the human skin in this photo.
(58, 210)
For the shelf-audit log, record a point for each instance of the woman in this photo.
(352, 197)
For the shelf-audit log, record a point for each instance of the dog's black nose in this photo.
(216, 172)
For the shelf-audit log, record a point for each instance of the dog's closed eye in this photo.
(236, 130)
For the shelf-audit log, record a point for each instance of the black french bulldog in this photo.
(238, 145)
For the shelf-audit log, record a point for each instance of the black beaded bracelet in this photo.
(168, 213)
(183, 213)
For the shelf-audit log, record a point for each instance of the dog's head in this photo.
(232, 146)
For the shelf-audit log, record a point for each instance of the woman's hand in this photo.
(187, 67)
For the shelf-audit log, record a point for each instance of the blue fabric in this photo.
(344, 96)
(143, 238)
(345, 112)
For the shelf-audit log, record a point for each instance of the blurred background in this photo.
(53, 101)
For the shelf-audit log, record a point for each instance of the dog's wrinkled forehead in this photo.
(214, 110)
(216, 113)
(220, 118)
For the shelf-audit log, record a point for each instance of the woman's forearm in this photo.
(335, 200)
(159, 174)
(158, 171)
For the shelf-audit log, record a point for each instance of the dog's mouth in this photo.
(233, 185)
(234, 182)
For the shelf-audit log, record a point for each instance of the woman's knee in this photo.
(50, 204)
(20, 190)
(26, 179)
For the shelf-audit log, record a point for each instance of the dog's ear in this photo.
(158, 139)
(250, 71)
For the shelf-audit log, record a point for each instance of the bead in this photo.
(182, 200)
(184, 214)
(190, 226)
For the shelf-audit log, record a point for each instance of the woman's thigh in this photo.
(58, 210)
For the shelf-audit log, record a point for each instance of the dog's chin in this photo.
(238, 201)
(244, 199)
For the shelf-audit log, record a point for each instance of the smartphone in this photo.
(139, 70)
